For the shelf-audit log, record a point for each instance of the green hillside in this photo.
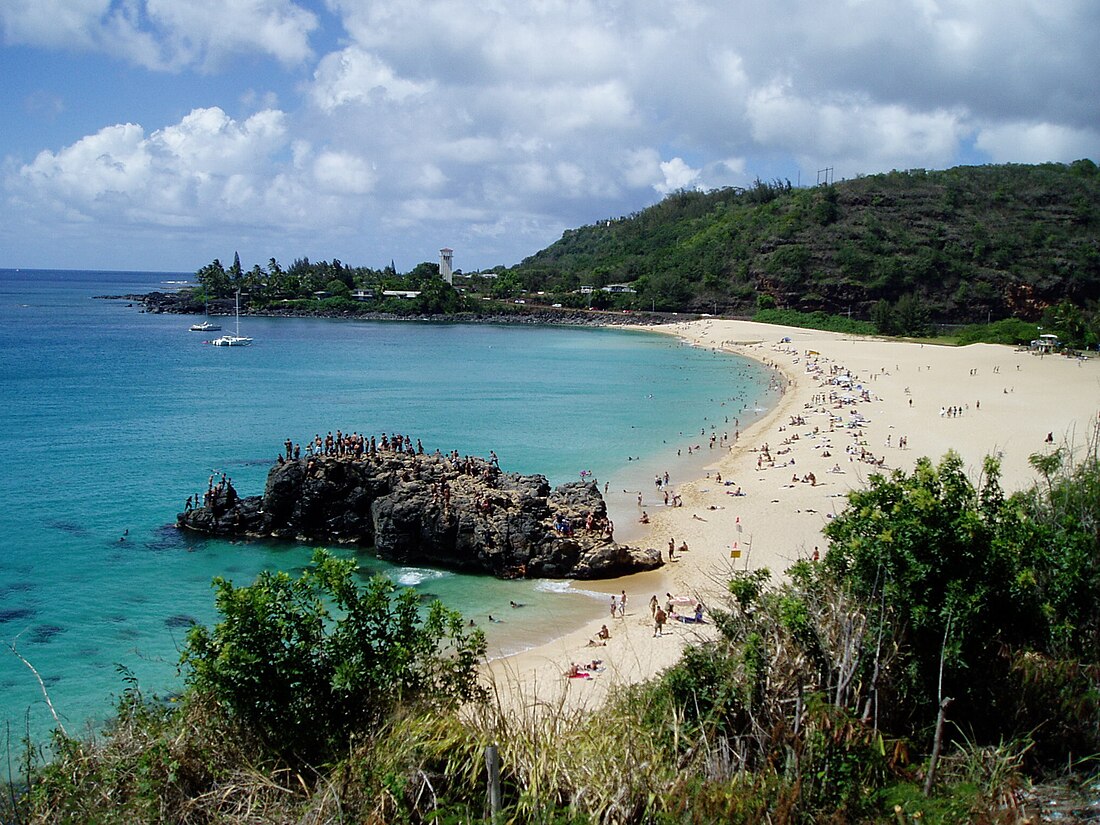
(968, 244)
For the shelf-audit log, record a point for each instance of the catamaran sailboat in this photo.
(237, 340)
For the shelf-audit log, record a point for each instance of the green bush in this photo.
(814, 320)
(1011, 331)
(309, 662)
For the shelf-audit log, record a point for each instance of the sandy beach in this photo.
(852, 407)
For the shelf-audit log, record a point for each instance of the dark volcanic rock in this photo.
(428, 509)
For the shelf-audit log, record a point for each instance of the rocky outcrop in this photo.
(463, 514)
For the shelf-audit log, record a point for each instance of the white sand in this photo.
(1009, 405)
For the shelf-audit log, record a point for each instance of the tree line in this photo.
(327, 285)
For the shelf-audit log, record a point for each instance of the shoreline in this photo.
(171, 303)
(1008, 401)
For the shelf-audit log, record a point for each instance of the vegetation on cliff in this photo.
(963, 245)
(943, 652)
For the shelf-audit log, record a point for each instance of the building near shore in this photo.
(446, 264)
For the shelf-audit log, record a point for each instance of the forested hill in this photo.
(968, 243)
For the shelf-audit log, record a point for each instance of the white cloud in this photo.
(54, 23)
(113, 161)
(677, 175)
(163, 34)
(642, 168)
(853, 130)
(212, 30)
(429, 178)
(1037, 143)
(570, 108)
(207, 167)
(208, 140)
(344, 174)
(354, 75)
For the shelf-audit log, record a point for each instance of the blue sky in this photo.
(160, 134)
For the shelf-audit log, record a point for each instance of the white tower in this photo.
(446, 264)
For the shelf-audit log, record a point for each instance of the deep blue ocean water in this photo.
(111, 417)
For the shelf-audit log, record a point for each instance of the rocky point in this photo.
(409, 508)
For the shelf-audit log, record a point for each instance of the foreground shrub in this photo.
(307, 663)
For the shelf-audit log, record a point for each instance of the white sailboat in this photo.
(206, 325)
(237, 340)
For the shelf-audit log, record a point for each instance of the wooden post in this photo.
(492, 766)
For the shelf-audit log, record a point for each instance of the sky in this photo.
(161, 134)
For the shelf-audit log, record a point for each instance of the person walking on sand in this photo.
(622, 606)
(653, 605)
(659, 621)
(614, 606)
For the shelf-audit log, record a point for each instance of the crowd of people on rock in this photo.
(359, 447)
(355, 446)
(218, 498)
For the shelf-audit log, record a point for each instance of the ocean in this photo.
(111, 417)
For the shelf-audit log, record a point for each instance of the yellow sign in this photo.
(735, 554)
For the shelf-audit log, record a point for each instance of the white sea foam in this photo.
(566, 586)
(412, 576)
(553, 586)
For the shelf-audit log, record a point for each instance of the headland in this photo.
(412, 507)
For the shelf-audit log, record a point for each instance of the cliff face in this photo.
(427, 509)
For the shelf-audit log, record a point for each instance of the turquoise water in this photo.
(111, 417)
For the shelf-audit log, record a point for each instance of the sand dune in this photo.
(1007, 403)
